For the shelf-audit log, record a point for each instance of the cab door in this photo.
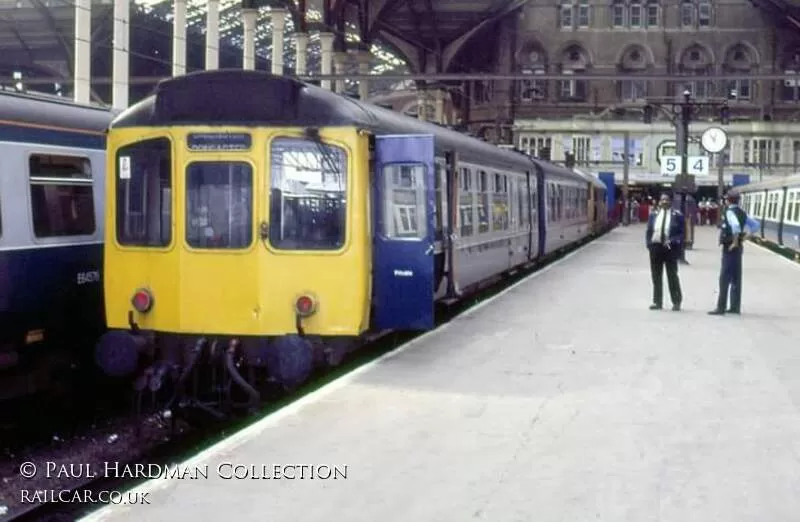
(403, 262)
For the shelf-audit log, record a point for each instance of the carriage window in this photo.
(437, 207)
(404, 209)
(308, 201)
(500, 203)
(534, 206)
(62, 201)
(483, 202)
(144, 191)
(465, 203)
(797, 207)
(219, 202)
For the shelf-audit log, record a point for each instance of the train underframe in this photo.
(218, 374)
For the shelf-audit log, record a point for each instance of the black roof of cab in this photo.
(25, 109)
(239, 97)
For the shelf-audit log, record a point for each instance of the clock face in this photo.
(714, 140)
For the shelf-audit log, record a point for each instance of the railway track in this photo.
(165, 437)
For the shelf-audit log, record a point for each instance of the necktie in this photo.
(663, 226)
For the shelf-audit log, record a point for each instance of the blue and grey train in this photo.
(52, 164)
(776, 205)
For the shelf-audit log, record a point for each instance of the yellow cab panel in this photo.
(232, 247)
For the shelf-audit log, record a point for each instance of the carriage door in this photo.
(403, 263)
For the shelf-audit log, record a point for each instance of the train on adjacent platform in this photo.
(52, 175)
(259, 226)
(776, 205)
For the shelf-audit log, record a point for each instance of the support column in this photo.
(439, 101)
(249, 51)
(301, 41)
(83, 51)
(121, 55)
(212, 35)
(340, 62)
(326, 47)
(363, 68)
(278, 25)
(422, 110)
(179, 39)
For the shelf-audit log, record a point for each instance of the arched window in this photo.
(574, 60)
(634, 60)
(790, 87)
(534, 62)
(696, 60)
(740, 59)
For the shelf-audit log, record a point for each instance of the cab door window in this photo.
(144, 193)
(404, 209)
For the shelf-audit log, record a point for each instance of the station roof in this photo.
(41, 31)
(785, 11)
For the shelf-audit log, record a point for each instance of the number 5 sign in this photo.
(670, 165)
(697, 165)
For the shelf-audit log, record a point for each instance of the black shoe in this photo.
(655, 307)
(716, 312)
(731, 311)
(676, 307)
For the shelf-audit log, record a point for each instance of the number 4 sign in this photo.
(697, 165)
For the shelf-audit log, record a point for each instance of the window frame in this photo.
(636, 9)
(265, 195)
(583, 15)
(652, 10)
(90, 181)
(687, 8)
(618, 15)
(216, 159)
(172, 196)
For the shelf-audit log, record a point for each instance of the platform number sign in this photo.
(697, 165)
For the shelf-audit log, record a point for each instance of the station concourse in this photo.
(565, 398)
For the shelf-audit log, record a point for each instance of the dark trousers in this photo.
(730, 278)
(662, 257)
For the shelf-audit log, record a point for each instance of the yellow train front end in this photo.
(244, 244)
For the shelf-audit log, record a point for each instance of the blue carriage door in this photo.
(403, 263)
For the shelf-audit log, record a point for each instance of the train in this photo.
(776, 205)
(52, 178)
(260, 226)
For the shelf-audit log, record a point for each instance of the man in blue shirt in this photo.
(734, 221)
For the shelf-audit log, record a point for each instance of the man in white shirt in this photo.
(663, 239)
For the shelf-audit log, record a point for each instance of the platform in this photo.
(564, 399)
